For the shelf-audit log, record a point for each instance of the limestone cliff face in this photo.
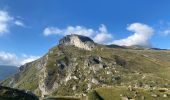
(43, 86)
(79, 41)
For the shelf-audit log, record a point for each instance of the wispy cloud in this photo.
(19, 23)
(142, 35)
(7, 58)
(5, 22)
(163, 28)
(5, 19)
(166, 32)
(69, 30)
(28, 59)
(101, 35)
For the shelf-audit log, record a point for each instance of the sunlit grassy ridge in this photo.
(120, 92)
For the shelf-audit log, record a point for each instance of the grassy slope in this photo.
(139, 63)
(153, 65)
(27, 80)
(117, 93)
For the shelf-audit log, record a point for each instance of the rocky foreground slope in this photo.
(77, 66)
(14, 94)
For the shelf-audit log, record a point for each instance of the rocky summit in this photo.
(78, 41)
(79, 69)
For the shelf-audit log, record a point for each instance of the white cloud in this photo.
(7, 58)
(166, 32)
(103, 38)
(69, 30)
(101, 35)
(28, 59)
(19, 23)
(142, 35)
(51, 31)
(5, 19)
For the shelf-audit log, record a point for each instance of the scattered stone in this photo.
(143, 76)
(95, 81)
(154, 95)
(108, 72)
(165, 95)
(147, 86)
(68, 78)
(74, 77)
(143, 98)
(74, 88)
(130, 88)
(89, 86)
(101, 66)
(125, 98)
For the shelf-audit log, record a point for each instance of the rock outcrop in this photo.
(79, 41)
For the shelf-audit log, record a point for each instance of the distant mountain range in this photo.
(6, 71)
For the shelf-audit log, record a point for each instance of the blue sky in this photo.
(34, 26)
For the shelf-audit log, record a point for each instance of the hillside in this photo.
(6, 71)
(128, 93)
(77, 66)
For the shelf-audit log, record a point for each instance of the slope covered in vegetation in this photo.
(74, 70)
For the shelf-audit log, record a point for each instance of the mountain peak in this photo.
(79, 41)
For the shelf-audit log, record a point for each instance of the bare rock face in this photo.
(44, 78)
(79, 41)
